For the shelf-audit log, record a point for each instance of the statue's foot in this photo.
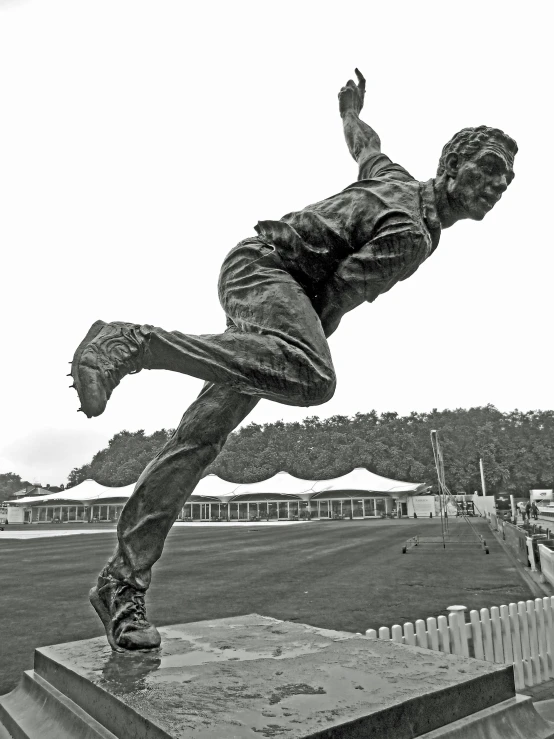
(122, 610)
(108, 352)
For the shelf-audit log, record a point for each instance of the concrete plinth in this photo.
(254, 677)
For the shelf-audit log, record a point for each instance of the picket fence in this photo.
(521, 634)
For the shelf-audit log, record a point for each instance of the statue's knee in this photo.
(328, 388)
(321, 388)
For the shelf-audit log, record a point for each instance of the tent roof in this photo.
(124, 492)
(214, 487)
(88, 490)
(358, 479)
(362, 479)
(280, 483)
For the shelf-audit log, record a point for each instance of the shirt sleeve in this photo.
(379, 166)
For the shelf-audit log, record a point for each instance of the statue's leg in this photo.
(159, 495)
(275, 347)
(169, 479)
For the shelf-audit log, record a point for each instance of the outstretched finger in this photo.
(361, 80)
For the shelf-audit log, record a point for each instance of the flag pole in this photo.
(483, 486)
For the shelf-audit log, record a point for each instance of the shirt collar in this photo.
(429, 210)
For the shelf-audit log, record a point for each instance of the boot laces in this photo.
(132, 604)
(121, 355)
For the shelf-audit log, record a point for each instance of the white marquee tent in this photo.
(359, 493)
(361, 479)
(86, 492)
(280, 484)
(212, 486)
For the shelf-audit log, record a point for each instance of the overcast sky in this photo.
(140, 141)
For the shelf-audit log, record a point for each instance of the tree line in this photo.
(517, 449)
(11, 483)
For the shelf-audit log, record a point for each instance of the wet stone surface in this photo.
(253, 676)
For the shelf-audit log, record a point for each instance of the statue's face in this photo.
(476, 185)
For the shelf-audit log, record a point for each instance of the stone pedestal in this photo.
(254, 677)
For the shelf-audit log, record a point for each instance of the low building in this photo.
(12, 513)
(358, 494)
(87, 502)
(30, 490)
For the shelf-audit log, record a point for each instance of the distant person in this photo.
(528, 512)
(534, 510)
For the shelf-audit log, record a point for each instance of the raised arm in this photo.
(361, 139)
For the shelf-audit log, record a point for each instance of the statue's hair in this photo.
(469, 141)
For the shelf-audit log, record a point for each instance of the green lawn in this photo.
(346, 575)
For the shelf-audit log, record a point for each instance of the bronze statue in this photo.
(284, 292)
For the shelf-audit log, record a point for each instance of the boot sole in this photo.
(98, 605)
(93, 331)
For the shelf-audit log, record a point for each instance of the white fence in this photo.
(521, 634)
(546, 556)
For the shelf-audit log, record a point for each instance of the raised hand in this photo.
(351, 96)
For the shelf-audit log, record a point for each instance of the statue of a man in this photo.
(284, 292)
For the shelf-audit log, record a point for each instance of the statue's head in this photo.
(476, 167)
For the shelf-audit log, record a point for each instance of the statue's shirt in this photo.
(364, 239)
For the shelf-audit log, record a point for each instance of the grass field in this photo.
(346, 575)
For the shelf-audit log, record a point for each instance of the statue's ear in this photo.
(452, 164)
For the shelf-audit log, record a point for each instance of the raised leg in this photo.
(274, 346)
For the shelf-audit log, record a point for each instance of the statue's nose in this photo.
(501, 183)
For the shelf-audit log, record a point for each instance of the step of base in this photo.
(36, 710)
(515, 718)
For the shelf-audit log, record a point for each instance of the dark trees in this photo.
(517, 449)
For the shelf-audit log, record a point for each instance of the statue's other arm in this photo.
(361, 139)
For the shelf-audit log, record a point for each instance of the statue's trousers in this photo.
(274, 347)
